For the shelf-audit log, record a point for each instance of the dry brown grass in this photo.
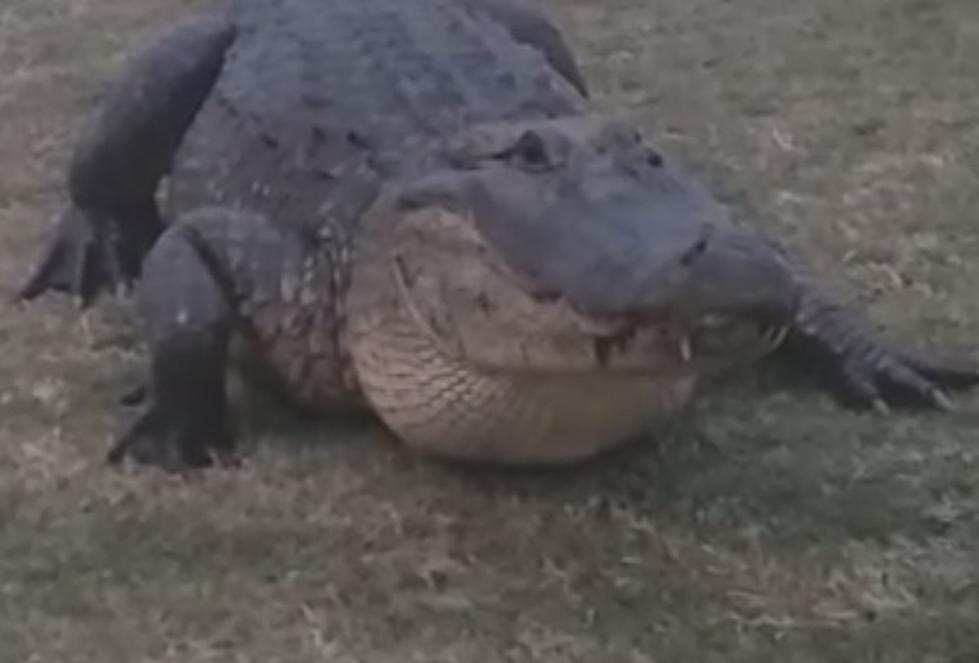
(770, 526)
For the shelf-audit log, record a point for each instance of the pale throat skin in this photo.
(464, 355)
(455, 380)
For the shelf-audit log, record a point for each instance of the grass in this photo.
(768, 525)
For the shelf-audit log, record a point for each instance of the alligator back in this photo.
(320, 101)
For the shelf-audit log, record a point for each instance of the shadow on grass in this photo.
(758, 452)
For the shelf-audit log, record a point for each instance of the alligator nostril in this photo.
(654, 158)
(694, 252)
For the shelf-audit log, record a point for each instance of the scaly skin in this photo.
(405, 205)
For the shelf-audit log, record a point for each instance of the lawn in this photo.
(769, 524)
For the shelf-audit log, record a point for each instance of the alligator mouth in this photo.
(679, 346)
(715, 336)
(675, 343)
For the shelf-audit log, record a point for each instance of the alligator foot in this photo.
(81, 260)
(878, 377)
(867, 371)
(184, 422)
(124, 151)
(174, 442)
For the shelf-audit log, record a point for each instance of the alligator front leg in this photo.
(214, 273)
(188, 309)
(112, 219)
(837, 343)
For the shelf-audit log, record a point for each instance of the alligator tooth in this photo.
(686, 351)
(714, 320)
(779, 336)
(774, 336)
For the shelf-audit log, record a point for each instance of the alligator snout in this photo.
(729, 273)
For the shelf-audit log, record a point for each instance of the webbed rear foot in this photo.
(83, 258)
(123, 152)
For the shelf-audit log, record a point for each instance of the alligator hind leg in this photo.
(189, 312)
(129, 145)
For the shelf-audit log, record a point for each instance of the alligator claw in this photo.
(174, 443)
(838, 344)
(880, 379)
(135, 396)
(961, 375)
(80, 261)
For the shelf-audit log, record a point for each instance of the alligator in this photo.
(413, 208)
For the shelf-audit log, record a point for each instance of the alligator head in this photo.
(562, 259)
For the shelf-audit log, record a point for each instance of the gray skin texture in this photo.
(408, 206)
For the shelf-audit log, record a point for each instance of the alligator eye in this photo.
(528, 152)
